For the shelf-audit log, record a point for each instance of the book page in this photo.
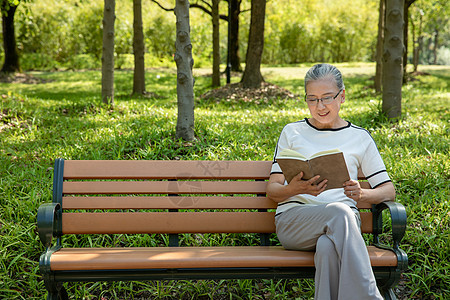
(288, 153)
(322, 153)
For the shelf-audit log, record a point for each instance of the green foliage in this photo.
(59, 29)
(295, 32)
(158, 39)
(428, 20)
(333, 31)
(63, 117)
(313, 31)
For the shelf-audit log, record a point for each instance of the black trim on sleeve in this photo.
(276, 173)
(289, 202)
(376, 173)
(381, 183)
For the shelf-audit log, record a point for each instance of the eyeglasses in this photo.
(325, 100)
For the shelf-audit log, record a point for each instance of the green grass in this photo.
(63, 117)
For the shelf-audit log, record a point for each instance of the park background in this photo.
(53, 109)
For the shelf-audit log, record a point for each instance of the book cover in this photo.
(328, 164)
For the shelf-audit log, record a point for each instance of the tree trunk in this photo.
(185, 80)
(406, 6)
(11, 63)
(418, 45)
(108, 52)
(435, 47)
(235, 59)
(379, 52)
(252, 77)
(138, 49)
(392, 59)
(413, 31)
(216, 44)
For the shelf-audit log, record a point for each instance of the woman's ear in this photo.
(343, 96)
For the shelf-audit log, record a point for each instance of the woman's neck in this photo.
(339, 123)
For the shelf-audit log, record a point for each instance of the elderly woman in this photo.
(309, 217)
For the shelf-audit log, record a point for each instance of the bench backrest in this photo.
(168, 197)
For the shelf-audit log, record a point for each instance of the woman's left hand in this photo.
(353, 190)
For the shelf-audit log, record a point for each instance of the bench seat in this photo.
(194, 257)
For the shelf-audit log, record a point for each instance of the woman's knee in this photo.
(325, 248)
(339, 208)
(343, 212)
(324, 244)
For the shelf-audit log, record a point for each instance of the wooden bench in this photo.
(182, 197)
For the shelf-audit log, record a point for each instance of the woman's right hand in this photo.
(278, 192)
(300, 186)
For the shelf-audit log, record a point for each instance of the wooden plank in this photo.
(194, 257)
(366, 222)
(178, 222)
(170, 202)
(168, 222)
(158, 169)
(364, 205)
(164, 187)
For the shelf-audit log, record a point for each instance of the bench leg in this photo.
(57, 292)
(388, 294)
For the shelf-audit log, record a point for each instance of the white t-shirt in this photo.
(357, 145)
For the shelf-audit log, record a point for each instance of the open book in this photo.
(328, 164)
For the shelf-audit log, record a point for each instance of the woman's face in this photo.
(325, 115)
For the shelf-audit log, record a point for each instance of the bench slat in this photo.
(174, 202)
(195, 257)
(168, 222)
(165, 187)
(177, 222)
(129, 169)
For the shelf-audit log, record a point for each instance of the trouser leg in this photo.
(300, 229)
(327, 265)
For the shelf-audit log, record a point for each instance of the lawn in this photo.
(60, 115)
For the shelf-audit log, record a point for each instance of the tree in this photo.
(379, 50)
(108, 52)
(406, 7)
(11, 63)
(216, 43)
(252, 77)
(417, 43)
(233, 20)
(138, 49)
(185, 79)
(392, 59)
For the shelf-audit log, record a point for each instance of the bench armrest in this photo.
(398, 219)
(49, 222)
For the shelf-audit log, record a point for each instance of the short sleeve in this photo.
(373, 167)
(281, 144)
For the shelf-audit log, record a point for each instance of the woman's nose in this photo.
(320, 103)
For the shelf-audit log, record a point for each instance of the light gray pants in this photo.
(343, 269)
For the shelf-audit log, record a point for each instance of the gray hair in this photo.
(321, 71)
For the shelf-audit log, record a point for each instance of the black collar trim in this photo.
(328, 129)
